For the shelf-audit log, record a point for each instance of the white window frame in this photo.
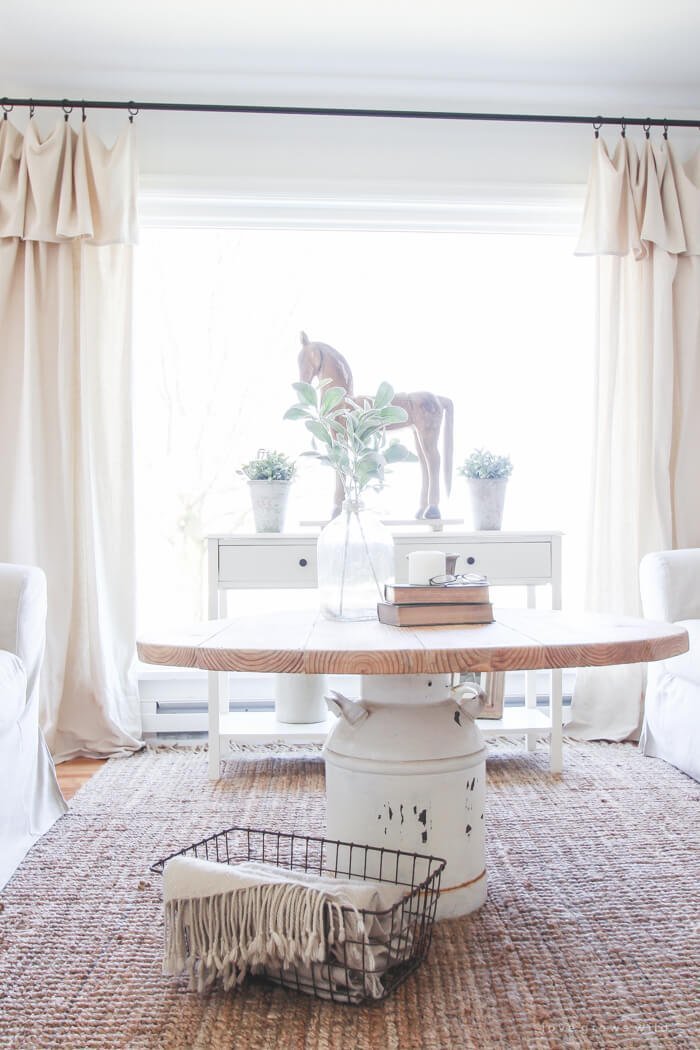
(204, 202)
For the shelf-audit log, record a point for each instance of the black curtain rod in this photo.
(68, 105)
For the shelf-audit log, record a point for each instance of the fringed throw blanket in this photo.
(334, 938)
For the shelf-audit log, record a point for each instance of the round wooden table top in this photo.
(302, 642)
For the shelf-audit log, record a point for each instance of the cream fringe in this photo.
(229, 934)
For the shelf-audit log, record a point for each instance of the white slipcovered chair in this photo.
(670, 589)
(30, 799)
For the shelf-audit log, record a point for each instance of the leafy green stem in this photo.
(350, 436)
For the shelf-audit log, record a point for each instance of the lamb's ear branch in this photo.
(307, 393)
(398, 453)
(331, 398)
(384, 395)
(319, 430)
(393, 414)
(297, 412)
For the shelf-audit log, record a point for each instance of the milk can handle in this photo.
(353, 711)
(469, 698)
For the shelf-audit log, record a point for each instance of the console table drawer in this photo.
(265, 565)
(500, 562)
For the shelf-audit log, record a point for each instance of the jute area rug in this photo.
(589, 937)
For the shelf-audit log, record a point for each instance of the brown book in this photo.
(424, 594)
(434, 615)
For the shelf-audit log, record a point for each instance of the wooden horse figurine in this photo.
(425, 412)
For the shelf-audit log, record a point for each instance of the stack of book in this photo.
(418, 605)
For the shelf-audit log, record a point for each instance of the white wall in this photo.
(349, 149)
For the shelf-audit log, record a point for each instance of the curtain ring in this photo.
(67, 109)
(666, 130)
(597, 125)
(6, 109)
(133, 111)
(647, 127)
(84, 113)
(623, 126)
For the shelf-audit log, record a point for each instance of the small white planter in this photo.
(300, 698)
(269, 499)
(487, 499)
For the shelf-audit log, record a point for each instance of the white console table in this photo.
(288, 560)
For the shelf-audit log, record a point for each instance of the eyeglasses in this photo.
(450, 579)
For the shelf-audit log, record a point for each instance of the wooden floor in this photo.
(76, 772)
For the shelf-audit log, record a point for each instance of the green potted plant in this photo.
(355, 550)
(269, 476)
(487, 477)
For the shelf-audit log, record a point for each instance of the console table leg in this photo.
(531, 704)
(556, 715)
(531, 678)
(214, 705)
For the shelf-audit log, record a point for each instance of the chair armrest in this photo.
(669, 582)
(23, 617)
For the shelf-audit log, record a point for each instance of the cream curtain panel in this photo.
(642, 218)
(67, 223)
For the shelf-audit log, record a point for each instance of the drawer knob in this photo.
(303, 562)
(471, 561)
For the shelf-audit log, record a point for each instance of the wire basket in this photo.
(391, 943)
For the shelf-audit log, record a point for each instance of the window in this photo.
(501, 323)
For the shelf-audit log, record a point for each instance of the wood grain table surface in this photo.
(520, 639)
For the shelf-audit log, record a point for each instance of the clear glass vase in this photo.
(355, 561)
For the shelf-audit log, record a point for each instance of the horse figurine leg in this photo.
(428, 437)
(423, 505)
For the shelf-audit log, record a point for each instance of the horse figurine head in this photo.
(325, 362)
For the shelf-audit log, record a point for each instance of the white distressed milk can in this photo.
(431, 798)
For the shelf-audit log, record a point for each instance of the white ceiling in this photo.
(643, 54)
